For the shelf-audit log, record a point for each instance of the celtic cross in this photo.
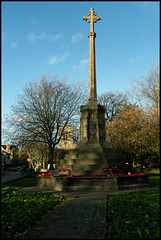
(92, 94)
(92, 18)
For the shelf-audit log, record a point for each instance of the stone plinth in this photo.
(92, 152)
(92, 125)
(77, 184)
(106, 184)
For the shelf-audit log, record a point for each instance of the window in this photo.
(65, 137)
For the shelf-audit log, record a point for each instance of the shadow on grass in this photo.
(28, 181)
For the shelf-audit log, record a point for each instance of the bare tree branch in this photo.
(42, 108)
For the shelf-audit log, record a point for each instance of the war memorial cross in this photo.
(92, 18)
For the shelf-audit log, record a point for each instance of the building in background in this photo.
(69, 138)
(5, 158)
(7, 153)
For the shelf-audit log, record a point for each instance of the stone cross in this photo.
(92, 18)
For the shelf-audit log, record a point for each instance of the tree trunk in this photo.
(44, 163)
(51, 154)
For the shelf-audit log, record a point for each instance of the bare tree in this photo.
(150, 86)
(146, 92)
(42, 108)
(113, 102)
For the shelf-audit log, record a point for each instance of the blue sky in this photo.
(51, 38)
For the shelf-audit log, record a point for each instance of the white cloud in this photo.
(57, 36)
(84, 61)
(33, 37)
(77, 37)
(83, 64)
(135, 59)
(14, 44)
(57, 59)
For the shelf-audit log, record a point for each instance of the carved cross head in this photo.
(92, 18)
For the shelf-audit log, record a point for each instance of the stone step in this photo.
(107, 156)
(84, 161)
(68, 161)
(81, 169)
(97, 166)
(71, 155)
(91, 155)
(81, 172)
(87, 172)
(88, 161)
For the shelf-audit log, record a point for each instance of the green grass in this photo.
(134, 216)
(154, 178)
(21, 210)
(29, 181)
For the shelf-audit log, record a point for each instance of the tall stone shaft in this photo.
(92, 18)
(92, 152)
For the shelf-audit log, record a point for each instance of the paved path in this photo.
(81, 216)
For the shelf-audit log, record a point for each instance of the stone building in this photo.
(5, 158)
(69, 139)
(7, 153)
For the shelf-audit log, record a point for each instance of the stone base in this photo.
(106, 184)
(92, 152)
(89, 160)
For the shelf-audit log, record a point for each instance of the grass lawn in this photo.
(29, 181)
(130, 216)
(154, 178)
(135, 215)
(22, 210)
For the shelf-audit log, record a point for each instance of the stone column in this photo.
(92, 96)
(92, 18)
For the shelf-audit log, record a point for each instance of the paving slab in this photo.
(81, 216)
